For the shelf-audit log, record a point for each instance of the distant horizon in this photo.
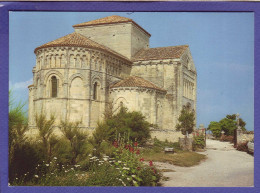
(221, 44)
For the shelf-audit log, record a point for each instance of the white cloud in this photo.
(20, 85)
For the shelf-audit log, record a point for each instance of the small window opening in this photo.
(95, 91)
(54, 86)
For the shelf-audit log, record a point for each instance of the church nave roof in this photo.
(172, 52)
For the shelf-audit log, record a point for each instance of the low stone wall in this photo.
(169, 135)
(32, 133)
(244, 138)
(186, 144)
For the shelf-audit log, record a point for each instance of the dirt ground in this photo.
(224, 167)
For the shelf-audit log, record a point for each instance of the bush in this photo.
(129, 125)
(25, 158)
(242, 147)
(198, 142)
(227, 138)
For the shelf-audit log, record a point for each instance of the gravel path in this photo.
(224, 167)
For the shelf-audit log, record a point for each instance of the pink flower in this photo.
(150, 163)
(142, 159)
(135, 144)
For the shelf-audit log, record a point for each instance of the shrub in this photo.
(227, 138)
(198, 142)
(242, 147)
(25, 158)
(129, 125)
(75, 136)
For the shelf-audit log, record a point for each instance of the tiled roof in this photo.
(109, 20)
(173, 52)
(77, 40)
(135, 81)
(105, 20)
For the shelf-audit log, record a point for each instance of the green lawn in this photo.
(181, 158)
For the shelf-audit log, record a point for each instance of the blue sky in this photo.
(221, 44)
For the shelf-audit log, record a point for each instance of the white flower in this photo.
(16, 178)
(89, 155)
(50, 162)
(38, 164)
(66, 171)
(36, 176)
(133, 176)
(47, 164)
(9, 184)
(119, 161)
(82, 174)
(25, 174)
(52, 173)
(128, 179)
(120, 179)
(134, 182)
(54, 158)
(72, 168)
(117, 168)
(99, 164)
(105, 159)
(76, 174)
(123, 183)
(77, 166)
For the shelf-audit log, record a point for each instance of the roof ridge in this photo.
(102, 20)
(185, 45)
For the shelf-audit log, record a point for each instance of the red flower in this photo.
(126, 146)
(138, 168)
(150, 163)
(131, 149)
(136, 144)
(115, 144)
(154, 171)
(142, 159)
(138, 152)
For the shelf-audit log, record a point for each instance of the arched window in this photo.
(54, 86)
(95, 91)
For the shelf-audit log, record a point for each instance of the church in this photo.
(106, 61)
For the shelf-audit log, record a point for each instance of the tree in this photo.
(215, 128)
(186, 120)
(228, 126)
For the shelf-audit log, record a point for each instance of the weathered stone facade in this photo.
(109, 59)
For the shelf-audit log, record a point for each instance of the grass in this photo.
(184, 159)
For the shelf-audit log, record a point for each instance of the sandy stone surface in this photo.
(225, 167)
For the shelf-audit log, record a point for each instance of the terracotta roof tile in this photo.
(135, 81)
(105, 20)
(172, 52)
(110, 20)
(77, 40)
